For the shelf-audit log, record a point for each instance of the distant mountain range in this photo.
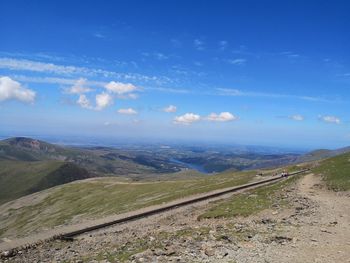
(321, 154)
(28, 165)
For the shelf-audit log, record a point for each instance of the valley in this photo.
(47, 188)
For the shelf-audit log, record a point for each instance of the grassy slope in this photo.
(22, 149)
(336, 172)
(91, 199)
(16, 178)
(19, 178)
(249, 202)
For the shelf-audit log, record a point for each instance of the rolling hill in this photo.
(321, 154)
(101, 161)
(29, 165)
(20, 178)
(336, 172)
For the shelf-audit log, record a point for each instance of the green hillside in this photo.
(19, 178)
(336, 172)
(27, 149)
(97, 198)
(101, 161)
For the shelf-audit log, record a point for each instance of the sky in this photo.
(273, 73)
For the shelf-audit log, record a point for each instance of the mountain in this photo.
(20, 178)
(29, 165)
(27, 149)
(321, 154)
(101, 161)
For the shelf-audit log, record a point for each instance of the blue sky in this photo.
(249, 72)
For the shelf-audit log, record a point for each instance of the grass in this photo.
(250, 202)
(336, 172)
(19, 178)
(98, 198)
(16, 178)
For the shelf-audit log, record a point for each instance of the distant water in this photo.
(191, 166)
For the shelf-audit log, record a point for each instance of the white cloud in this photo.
(168, 90)
(79, 87)
(231, 92)
(35, 66)
(223, 116)
(69, 81)
(236, 93)
(187, 118)
(84, 102)
(128, 111)
(160, 56)
(11, 89)
(198, 44)
(132, 96)
(170, 108)
(61, 81)
(329, 119)
(176, 43)
(24, 64)
(290, 54)
(237, 61)
(120, 88)
(103, 100)
(99, 35)
(223, 44)
(296, 117)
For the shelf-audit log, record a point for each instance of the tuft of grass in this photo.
(250, 202)
(336, 172)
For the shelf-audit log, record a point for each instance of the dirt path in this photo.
(323, 235)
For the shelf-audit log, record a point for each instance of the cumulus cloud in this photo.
(103, 100)
(223, 116)
(187, 118)
(170, 108)
(79, 87)
(128, 111)
(329, 119)
(11, 89)
(296, 117)
(113, 90)
(120, 88)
